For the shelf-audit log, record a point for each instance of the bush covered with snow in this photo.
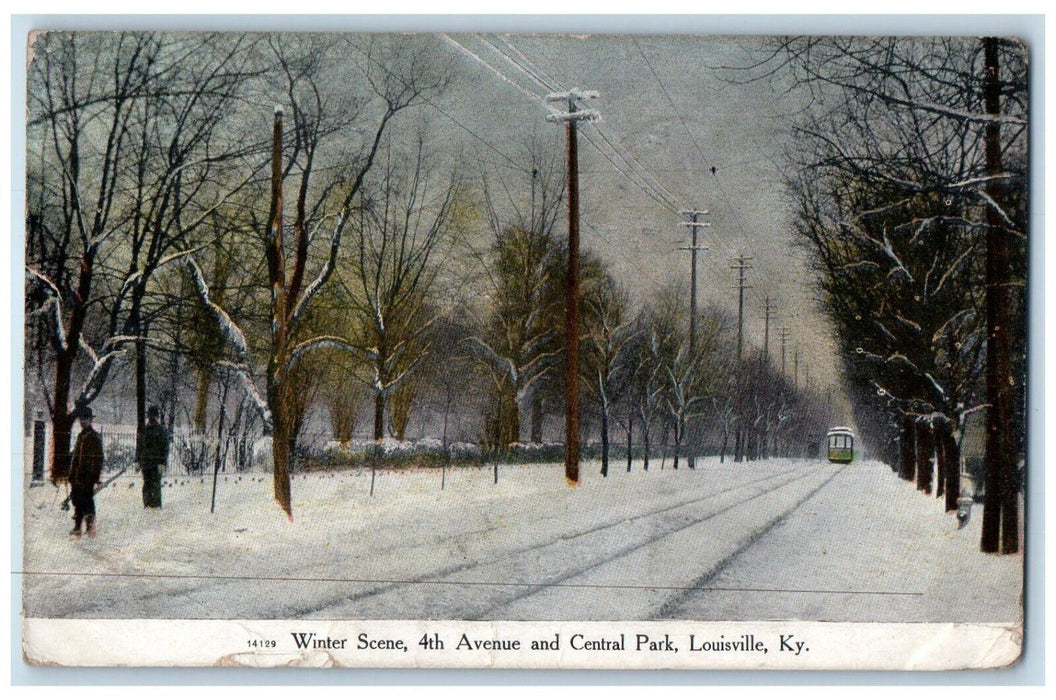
(430, 452)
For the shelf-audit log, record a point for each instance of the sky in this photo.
(670, 111)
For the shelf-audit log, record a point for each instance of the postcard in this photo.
(525, 350)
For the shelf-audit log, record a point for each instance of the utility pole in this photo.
(741, 265)
(693, 224)
(783, 333)
(570, 118)
(767, 315)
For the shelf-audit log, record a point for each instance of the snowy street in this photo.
(778, 539)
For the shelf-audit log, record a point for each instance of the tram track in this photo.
(565, 580)
(442, 577)
(668, 609)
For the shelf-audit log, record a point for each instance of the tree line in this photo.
(908, 178)
(333, 252)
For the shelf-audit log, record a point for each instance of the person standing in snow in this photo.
(152, 457)
(86, 465)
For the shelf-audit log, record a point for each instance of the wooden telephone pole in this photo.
(571, 118)
(741, 265)
(693, 225)
(783, 332)
(768, 309)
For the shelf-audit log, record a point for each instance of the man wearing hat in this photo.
(153, 455)
(86, 464)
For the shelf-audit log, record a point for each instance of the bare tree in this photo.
(910, 151)
(607, 334)
(358, 123)
(397, 248)
(129, 157)
(517, 329)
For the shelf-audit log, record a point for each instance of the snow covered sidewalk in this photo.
(872, 533)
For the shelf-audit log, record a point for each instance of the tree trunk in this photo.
(663, 445)
(909, 449)
(691, 446)
(537, 417)
(645, 444)
(604, 443)
(725, 442)
(1000, 530)
(280, 450)
(630, 435)
(401, 406)
(61, 420)
(679, 430)
(201, 402)
(379, 416)
(141, 375)
(925, 457)
(276, 373)
(949, 466)
(507, 419)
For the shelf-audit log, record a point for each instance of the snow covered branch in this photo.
(89, 350)
(55, 302)
(503, 364)
(231, 331)
(94, 381)
(167, 260)
(327, 341)
(242, 372)
(324, 274)
(997, 208)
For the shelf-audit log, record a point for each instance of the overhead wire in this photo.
(633, 168)
(535, 69)
(672, 205)
(514, 164)
(604, 237)
(648, 183)
(718, 182)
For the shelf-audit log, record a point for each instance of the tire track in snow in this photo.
(436, 577)
(564, 580)
(441, 578)
(668, 609)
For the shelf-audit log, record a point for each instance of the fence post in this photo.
(39, 448)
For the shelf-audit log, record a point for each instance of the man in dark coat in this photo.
(86, 464)
(152, 457)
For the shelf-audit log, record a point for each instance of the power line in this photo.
(689, 133)
(633, 168)
(593, 228)
(444, 112)
(649, 184)
(487, 65)
(657, 191)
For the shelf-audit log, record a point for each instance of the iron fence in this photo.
(190, 453)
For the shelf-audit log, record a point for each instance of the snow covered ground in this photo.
(772, 540)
